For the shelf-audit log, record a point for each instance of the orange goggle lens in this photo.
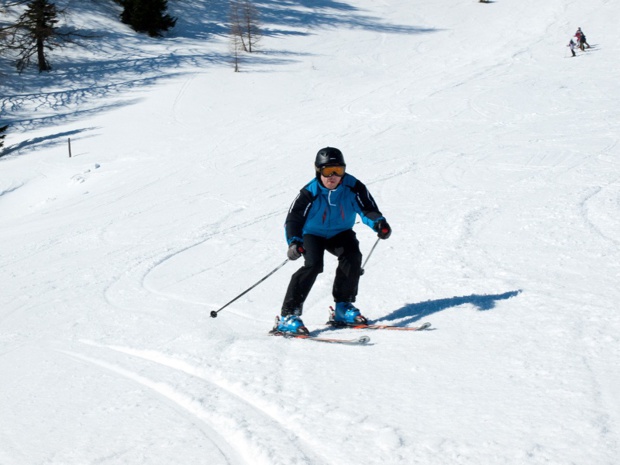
(329, 171)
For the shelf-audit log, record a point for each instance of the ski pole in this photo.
(215, 312)
(369, 254)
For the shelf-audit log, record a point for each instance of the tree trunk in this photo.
(43, 64)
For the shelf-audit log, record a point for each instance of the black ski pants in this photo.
(346, 247)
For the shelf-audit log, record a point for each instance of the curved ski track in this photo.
(146, 265)
(253, 432)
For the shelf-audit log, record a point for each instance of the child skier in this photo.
(571, 45)
(321, 219)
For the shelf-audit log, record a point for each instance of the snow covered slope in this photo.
(492, 153)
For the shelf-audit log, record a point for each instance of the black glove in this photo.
(295, 250)
(383, 229)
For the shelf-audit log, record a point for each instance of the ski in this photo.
(358, 341)
(337, 325)
(422, 327)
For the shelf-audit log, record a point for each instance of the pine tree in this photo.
(147, 16)
(34, 33)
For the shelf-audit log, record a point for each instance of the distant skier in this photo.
(581, 39)
(572, 46)
(321, 219)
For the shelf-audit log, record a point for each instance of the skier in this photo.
(571, 45)
(321, 218)
(581, 39)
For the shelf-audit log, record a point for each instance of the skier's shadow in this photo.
(411, 313)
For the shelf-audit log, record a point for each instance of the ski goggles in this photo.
(329, 171)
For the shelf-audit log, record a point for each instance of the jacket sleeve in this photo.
(368, 209)
(297, 215)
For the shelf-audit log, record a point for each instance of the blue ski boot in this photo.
(289, 324)
(345, 314)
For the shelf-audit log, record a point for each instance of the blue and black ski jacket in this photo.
(322, 212)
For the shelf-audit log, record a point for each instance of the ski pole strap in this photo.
(215, 312)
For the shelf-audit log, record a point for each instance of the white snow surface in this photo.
(493, 154)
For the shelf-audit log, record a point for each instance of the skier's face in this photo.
(331, 182)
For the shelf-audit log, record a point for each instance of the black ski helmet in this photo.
(329, 156)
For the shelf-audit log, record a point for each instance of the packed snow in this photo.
(491, 151)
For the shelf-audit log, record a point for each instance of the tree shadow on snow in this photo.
(411, 313)
(42, 142)
(116, 62)
(328, 13)
(197, 19)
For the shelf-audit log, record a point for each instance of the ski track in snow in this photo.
(259, 418)
(144, 267)
(193, 408)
